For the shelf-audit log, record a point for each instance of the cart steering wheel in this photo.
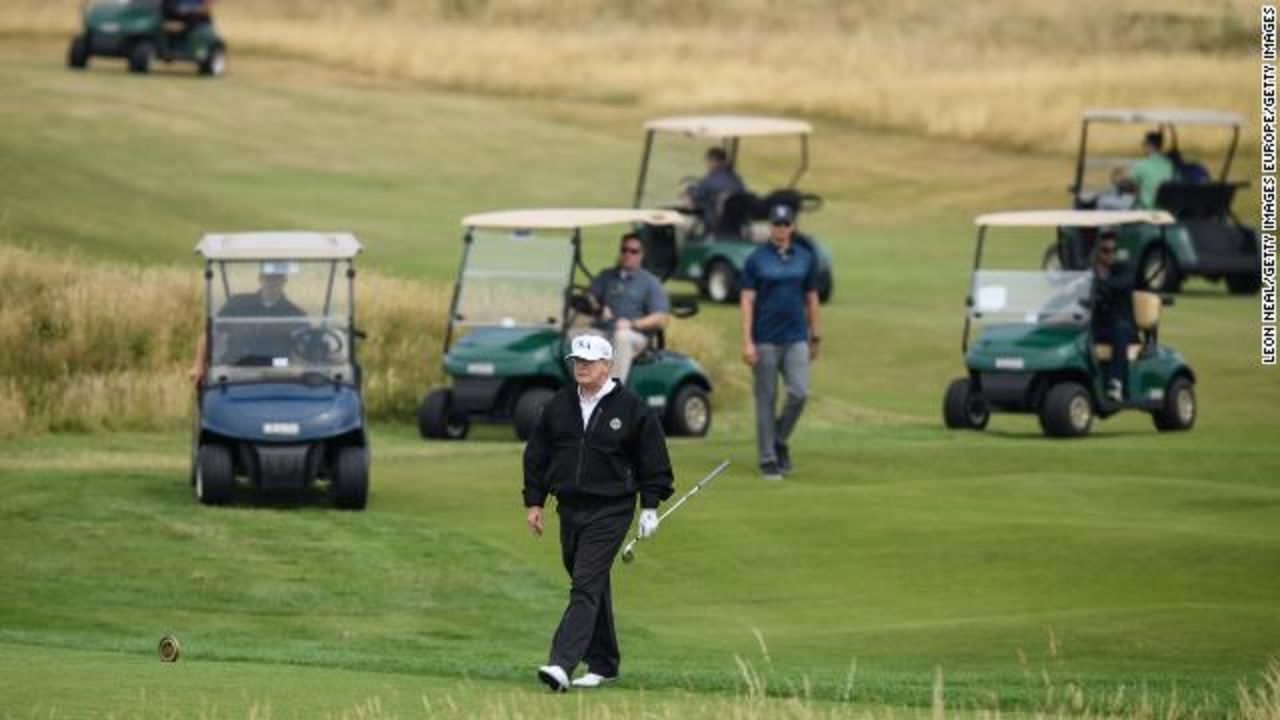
(316, 344)
(582, 302)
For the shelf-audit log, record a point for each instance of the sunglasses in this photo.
(1107, 249)
(631, 250)
(780, 223)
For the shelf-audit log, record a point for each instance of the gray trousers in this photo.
(792, 362)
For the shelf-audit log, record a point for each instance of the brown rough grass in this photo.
(1002, 72)
(106, 346)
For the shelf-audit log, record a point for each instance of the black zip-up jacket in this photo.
(621, 452)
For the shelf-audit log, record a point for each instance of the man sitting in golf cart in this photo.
(1112, 311)
(191, 13)
(1151, 171)
(707, 196)
(255, 343)
(633, 303)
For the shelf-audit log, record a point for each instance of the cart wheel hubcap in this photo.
(718, 285)
(1080, 411)
(1186, 405)
(1154, 270)
(695, 414)
(977, 411)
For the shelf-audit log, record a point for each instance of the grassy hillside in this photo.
(996, 71)
(1132, 573)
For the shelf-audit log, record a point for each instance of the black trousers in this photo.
(591, 533)
(1119, 334)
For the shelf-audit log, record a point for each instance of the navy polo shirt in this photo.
(781, 281)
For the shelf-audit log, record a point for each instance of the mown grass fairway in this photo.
(1127, 560)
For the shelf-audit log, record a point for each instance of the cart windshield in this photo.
(515, 278)
(1003, 297)
(280, 321)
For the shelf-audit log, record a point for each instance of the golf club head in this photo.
(628, 554)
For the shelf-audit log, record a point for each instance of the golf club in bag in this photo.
(628, 552)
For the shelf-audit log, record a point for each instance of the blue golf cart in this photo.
(280, 401)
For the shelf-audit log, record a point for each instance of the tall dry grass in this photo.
(1002, 72)
(106, 346)
(87, 346)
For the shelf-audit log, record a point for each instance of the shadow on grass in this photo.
(1066, 442)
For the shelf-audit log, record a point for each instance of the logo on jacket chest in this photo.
(615, 424)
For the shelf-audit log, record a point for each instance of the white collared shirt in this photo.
(589, 403)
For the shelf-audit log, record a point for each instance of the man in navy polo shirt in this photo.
(779, 309)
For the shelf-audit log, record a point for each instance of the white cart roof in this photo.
(725, 126)
(570, 218)
(1073, 218)
(279, 246)
(1173, 116)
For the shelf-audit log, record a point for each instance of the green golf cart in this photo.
(1028, 342)
(143, 31)
(1207, 239)
(521, 294)
(712, 255)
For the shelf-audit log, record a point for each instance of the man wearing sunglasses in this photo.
(634, 304)
(1112, 312)
(778, 306)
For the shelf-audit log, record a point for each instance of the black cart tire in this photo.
(350, 482)
(689, 413)
(1243, 284)
(436, 419)
(826, 286)
(1158, 272)
(720, 284)
(528, 409)
(215, 63)
(78, 53)
(215, 475)
(1067, 411)
(963, 409)
(141, 56)
(1178, 409)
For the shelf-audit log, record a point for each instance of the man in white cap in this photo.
(241, 335)
(595, 446)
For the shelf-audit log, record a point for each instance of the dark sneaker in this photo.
(784, 457)
(769, 471)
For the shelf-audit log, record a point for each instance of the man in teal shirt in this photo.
(1152, 171)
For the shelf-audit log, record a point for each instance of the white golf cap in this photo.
(590, 347)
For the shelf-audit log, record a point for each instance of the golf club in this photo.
(628, 552)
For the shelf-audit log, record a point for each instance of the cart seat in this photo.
(1102, 351)
(1146, 316)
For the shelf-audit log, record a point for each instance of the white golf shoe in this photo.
(592, 680)
(554, 677)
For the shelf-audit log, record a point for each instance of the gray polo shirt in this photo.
(630, 295)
